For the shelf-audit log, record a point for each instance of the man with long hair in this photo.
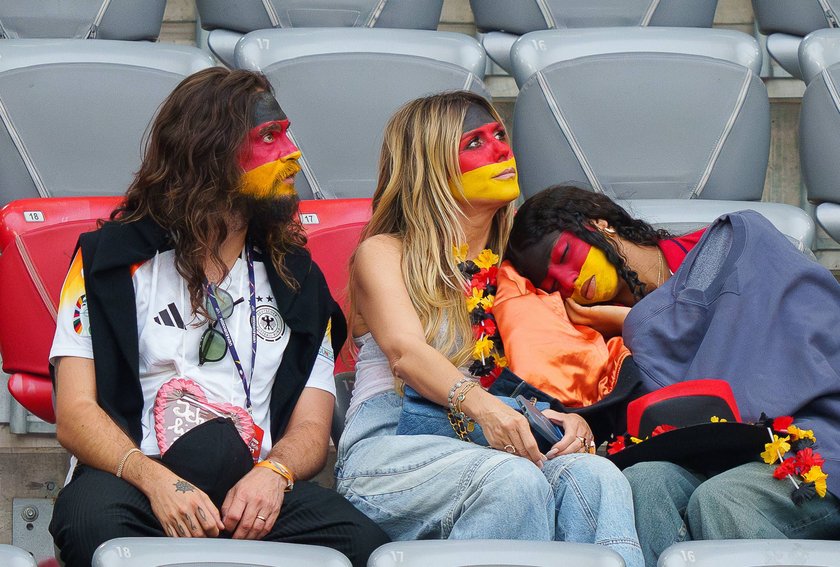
(196, 337)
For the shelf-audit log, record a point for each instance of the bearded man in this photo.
(195, 343)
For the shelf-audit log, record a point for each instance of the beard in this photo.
(268, 215)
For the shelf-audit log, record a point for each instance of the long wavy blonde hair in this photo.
(414, 202)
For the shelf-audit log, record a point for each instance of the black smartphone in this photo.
(545, 431)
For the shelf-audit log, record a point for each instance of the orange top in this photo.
(570, 362)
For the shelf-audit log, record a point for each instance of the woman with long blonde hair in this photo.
(421, 288)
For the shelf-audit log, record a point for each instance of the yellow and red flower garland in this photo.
(803, 462)
(481, 275)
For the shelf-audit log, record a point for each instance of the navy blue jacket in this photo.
(747, 307)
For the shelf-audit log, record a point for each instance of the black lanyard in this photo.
(246, 382)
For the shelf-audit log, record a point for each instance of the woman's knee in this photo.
(592, 476)
(517, 480)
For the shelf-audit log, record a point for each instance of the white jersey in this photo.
(169, 335)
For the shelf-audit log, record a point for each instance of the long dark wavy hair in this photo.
(190, 178)
(560, 208)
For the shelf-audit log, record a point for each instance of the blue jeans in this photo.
(673, 504)
(429, 486)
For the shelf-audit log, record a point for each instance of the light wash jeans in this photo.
(428, 486)
(746, 502)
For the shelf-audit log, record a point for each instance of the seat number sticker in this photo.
(33, 216)
(309, 218)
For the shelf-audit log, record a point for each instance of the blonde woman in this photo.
(445, 193)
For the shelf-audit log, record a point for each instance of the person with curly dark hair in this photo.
(735, 301)
(588, 248)
(195, 342)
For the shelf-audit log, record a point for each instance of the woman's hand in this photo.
(577, 436)
(505, 428)
(606, 319)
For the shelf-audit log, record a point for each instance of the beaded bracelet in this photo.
(451, 398)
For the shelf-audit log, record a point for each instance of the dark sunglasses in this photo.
(213, 347)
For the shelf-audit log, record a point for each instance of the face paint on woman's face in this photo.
(488, 170)
(268, 158)
(580, 271)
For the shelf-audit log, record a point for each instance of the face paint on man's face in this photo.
(269, 159)
(488, 170)
(580, 271)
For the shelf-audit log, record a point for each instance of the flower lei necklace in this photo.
(803, 462)
(481, 274)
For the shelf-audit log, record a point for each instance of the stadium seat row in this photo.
(500, 22)
(157, 552)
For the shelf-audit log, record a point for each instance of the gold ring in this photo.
(510, 448)
(260, 518)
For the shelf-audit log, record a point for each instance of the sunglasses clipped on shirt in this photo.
(213, 347)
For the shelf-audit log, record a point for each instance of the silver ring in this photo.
(260, 518)
(510, 448)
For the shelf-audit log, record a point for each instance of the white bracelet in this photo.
(124, 459)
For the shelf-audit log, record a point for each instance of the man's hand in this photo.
(183, 510)
(251, 507)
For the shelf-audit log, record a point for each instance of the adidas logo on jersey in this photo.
(170, 317)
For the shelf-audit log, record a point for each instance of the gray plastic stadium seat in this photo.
(786, 22)
(229, 21)
(339, 86)
(752, 553)
(11, 556)
(674, 216)
(168, 552)
(505, 20)
(819, 126)
(81, 19)
(73, 112)
(492, 553)
(644, 113)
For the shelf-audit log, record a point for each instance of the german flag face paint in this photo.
(488, 170)
(580, 271)
(269, 159)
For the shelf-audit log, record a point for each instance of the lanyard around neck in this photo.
(252, 301)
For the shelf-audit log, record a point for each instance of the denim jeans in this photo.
(429, 486)
(673, 504)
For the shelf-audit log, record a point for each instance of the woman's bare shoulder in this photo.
(376, 246)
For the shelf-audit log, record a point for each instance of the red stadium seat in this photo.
(24, 215)
(334, 227)
(320, 214)
(37, 238)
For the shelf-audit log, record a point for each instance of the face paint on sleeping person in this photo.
(580, 271)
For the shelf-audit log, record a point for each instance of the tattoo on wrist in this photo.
(183, 486)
